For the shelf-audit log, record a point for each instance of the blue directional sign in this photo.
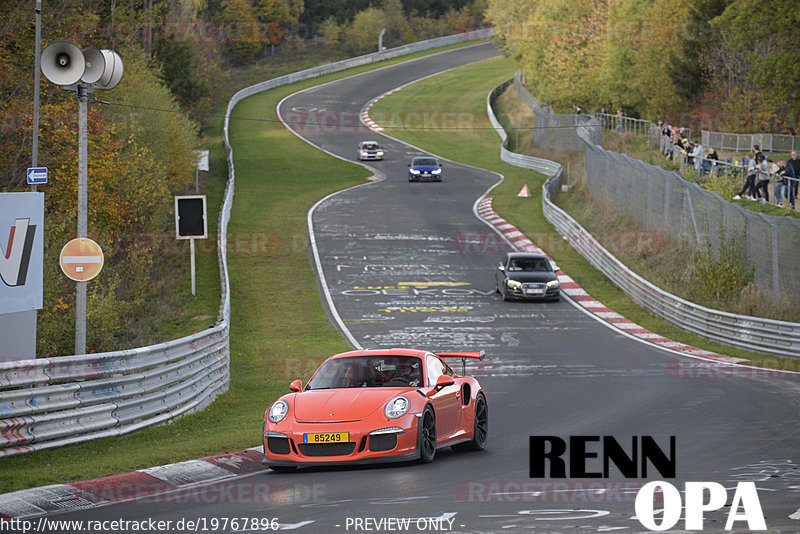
(37, 175)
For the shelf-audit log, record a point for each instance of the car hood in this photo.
(425, 168)
(532, 276)
(335, 405)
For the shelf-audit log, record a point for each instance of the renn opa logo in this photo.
(16, 256)
(585, 461)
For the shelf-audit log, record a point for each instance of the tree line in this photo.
(729, 65)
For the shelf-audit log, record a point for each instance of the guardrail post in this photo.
(775, 264)
(688, 197)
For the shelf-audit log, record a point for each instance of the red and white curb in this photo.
(364, 115)
(145, 485)
(591, 305)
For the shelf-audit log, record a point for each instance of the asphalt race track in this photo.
(410, 265)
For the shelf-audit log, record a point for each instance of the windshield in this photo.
(427, 162)
(368, 371)
(529, 264)
(371, 146)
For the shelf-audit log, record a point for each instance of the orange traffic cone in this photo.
(525, 192)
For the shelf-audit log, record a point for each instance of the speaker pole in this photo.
(82, 91)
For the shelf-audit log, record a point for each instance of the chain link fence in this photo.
(664, 201)
(745, 142)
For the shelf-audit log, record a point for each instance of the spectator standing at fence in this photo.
(619, 119)
(748, 189)
(697, 156)
(795, 164)
(711, 160)
(667, 141)
(762, 178)
(757, 152)
(788, 178)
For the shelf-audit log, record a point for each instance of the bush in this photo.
(725, 274)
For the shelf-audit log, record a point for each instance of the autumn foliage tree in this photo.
(672, 60)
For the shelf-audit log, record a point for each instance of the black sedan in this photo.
(523, 275)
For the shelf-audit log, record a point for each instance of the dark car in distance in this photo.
(424, 168)
(524, 275)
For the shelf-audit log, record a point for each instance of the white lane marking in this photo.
(294, 526)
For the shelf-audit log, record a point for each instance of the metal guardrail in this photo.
(751, 333)
(624, 124)
(744, 142)
(544, 166)
(53, 402)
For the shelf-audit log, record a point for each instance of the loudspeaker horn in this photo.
(63, 63)
(95, 65)
(113, 71)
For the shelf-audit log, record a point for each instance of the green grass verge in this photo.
(279, 330)
(464, 90)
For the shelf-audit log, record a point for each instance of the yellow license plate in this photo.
(327, 437)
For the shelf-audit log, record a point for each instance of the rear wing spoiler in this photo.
(463, 355)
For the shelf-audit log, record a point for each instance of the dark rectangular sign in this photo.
(190, 217)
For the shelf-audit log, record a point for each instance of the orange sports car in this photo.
(380, 405)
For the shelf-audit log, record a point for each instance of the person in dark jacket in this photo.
(795, 164)
(788, 177)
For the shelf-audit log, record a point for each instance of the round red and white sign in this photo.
(81, 259)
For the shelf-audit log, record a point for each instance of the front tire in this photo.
(427, 436)
(480, 434)
(504, 292)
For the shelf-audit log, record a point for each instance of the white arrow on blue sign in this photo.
(37, 175)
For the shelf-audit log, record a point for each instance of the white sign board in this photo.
(21, 251)
(201, 157)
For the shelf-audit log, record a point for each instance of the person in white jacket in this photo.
(697, 156)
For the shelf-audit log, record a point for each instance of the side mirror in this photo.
(409, 165)
(297, 385)
(441, 383)
(501, 267)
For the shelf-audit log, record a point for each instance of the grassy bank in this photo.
(481, 148)
(279, 330)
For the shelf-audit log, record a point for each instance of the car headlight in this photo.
(364, 154)
(552, 283)
(436, 171)
(397, 407)
(278, 411)
(514, 283)
(380, 153)
(413, 171)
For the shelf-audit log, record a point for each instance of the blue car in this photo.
(424, 168)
